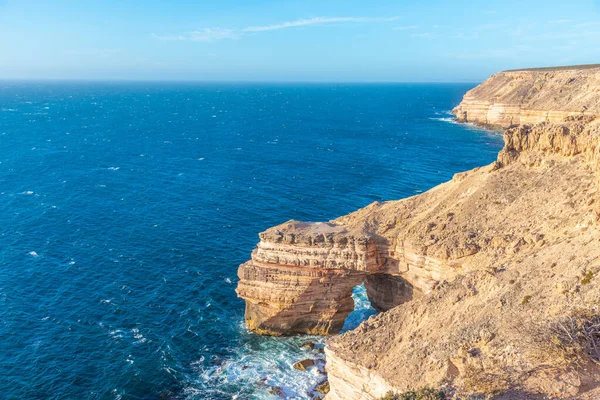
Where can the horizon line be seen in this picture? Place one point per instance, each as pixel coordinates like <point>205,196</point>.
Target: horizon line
<point>175,80</point>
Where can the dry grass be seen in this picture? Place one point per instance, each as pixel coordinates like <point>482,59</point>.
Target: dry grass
<point>572,339</point>
<point>580,333</point>
<point>477,381</point>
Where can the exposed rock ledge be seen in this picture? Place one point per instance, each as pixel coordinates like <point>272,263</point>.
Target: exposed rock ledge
<point>480,276</point>
<point>531,96</point>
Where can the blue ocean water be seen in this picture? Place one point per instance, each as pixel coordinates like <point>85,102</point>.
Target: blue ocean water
<point>127,207</point>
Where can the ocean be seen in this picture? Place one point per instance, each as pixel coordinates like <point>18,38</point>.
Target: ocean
<point>127,208</point>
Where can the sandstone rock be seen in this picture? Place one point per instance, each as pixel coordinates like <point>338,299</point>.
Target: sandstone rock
<point>323,388</point>
<point>387,291</point>
<point>277,391</point>
<point>304,364</point>
<point>533,95</point>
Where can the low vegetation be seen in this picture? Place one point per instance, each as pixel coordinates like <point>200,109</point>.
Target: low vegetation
<point>421,394</point>
<point>579,334</point>
<point>572,338</point>
<point>587,278</point>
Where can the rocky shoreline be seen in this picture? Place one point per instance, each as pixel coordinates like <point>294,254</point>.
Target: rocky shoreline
<point>486,284</point>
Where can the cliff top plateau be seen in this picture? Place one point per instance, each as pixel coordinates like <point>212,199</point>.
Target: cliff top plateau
<point>533,95</point>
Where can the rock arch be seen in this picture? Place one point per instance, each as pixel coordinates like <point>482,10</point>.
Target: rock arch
<point>301,275</point>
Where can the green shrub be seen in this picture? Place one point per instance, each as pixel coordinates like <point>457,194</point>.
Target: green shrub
<point>587,278</point>
<point>421,394</point>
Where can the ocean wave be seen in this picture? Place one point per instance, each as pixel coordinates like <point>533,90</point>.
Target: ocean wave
<point>468,125</point>
<point>263,366</point>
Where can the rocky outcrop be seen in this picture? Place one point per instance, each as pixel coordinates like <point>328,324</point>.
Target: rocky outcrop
<point>487,283</point>
<point>353,381</point>
<point>531,96</point>
<point>301,276</point>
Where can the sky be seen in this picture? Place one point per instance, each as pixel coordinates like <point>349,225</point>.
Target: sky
<point>278,40</point>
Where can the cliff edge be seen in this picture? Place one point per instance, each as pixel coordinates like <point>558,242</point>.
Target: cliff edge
<point>488,282</point>
<point>529,96</point>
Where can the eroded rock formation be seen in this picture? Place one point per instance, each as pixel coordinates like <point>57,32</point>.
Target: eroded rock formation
<point>301,276</point>
<point>479,276</point>
<point>531,96</point>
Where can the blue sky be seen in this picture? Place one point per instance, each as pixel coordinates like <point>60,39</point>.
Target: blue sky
<point>263,40</point>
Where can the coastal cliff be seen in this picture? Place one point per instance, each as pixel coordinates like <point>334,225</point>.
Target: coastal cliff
<point>531,96</point>
<point>488,283</point>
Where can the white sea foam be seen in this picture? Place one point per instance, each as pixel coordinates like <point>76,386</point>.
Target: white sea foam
<point>445,119</point>
<point>260,364</point>
<point>33,254</point>
<point>117,333</point>
<point>137,335</point>
<point>452,120</point>
<point>228,280</point>
<point>261,367</point>
<point>114,168</point>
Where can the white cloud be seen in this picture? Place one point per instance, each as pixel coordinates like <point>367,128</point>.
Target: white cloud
<point>424,35</point>
<point>314,21</point>
<point>464,36</point>
<point>201,35</point>
<point>405,28</point>
<point>214,34</point>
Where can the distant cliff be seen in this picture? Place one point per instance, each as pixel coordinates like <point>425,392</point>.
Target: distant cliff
<point>489,284</point>
<point>533,95</point>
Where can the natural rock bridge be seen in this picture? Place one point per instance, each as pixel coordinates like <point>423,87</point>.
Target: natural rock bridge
<point>301,276</point>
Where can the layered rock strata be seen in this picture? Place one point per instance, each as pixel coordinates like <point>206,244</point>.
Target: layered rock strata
<point>489,283</point>
<point>531,96</point>
<point>301,276</point>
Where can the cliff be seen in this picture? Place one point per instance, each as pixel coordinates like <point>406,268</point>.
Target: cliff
<point>531,96</point>
<point>489,282</point>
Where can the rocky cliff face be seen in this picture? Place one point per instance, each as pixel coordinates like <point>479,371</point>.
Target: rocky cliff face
<point>532,96</point>
<point>301,276</point>
<point>515,242</point>
<point>489,282</point>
